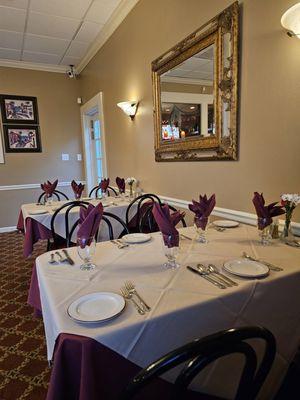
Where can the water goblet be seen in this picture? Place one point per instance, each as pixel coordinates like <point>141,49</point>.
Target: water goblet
<point>86,247</point>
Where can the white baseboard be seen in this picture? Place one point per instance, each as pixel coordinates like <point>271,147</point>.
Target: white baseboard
<point>6,229</point>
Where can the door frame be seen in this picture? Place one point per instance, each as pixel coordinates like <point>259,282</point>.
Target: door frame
<point>96,103</point>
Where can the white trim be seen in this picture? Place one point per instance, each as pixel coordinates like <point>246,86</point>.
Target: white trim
<point>33,186</point>
<point>8,229</point>
<point>117,17</point>
<point>35,66</point>
<point>94,103</point>
<point>240,216</point>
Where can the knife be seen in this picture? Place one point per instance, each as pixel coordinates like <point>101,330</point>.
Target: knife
<point>69,259</point>
<point>208,278</point>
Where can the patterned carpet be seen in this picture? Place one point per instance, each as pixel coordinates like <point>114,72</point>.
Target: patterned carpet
<point>24,371</point>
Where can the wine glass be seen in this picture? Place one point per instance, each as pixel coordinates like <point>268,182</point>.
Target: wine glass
<point>201,224</point>
<point>171,251</point>
<point>86,247</point>
<point>48,199</point>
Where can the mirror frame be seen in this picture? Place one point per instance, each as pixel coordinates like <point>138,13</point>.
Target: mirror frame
<point>218,147</point>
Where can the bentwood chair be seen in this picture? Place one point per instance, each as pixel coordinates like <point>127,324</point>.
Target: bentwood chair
<point>97,189</point>
<point>114,223</point>
<point>57,194</point>
<point>142,220</point>
<point>58,241</point>
<point>200,353</point>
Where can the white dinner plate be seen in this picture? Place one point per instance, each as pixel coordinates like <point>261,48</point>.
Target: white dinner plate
<point>226,223</point>
<point>246,268</point>
<point>136,238</point>
<point>37,212</point>
<point>96,307</point>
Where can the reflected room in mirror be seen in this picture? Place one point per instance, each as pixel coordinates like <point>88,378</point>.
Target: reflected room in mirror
<point>187,98</point>
<point>195,94</point>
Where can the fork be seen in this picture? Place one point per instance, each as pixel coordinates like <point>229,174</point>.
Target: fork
<point>132,290</point>
<point>120,245</point>
<point>124,292</point>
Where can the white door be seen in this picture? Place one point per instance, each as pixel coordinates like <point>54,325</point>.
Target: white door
<point>94,141</point>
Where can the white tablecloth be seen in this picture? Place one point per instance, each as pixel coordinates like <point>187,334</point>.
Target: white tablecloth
<point>116,206</point>
<point>184,306</point>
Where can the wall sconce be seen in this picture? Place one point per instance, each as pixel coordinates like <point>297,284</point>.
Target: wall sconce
<point>129,108</point>
<point>291,21</point>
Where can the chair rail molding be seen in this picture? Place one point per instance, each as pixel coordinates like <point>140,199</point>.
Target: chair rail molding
<point>240,216</point>
<point>33,185</point>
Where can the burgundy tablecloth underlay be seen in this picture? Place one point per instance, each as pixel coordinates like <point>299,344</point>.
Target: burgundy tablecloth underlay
<point>84,369</point>
<point>33,233</point>
<point>34,299</point>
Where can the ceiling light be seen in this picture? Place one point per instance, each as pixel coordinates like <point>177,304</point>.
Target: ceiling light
<point>291,21</point>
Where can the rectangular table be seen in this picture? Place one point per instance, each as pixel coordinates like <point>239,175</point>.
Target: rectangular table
<point>38,226</point>
<point>184,306</point>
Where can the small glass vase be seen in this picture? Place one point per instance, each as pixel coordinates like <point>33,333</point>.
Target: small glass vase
<point>201,225</point>
<point>287,235</point>
<point>171,251</point>
<point>131,195</point>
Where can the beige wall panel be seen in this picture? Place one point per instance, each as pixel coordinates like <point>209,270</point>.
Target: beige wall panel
<point>269,158</point>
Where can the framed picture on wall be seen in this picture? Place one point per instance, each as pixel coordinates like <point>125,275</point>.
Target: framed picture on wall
<point>22,139</point>
<point>19,109</point>
<point>1,149</point>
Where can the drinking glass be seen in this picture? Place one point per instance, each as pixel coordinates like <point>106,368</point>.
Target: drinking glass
<point>201,225</point>
<point>86,249</point>
<point>48,199</point>
<point>264,231</point>
<point>171,252</point>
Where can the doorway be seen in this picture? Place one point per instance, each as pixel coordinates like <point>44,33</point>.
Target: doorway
<point>94,141</point>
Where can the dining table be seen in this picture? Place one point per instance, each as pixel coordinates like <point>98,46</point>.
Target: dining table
<point>35,219</point>
<point>184,306</point>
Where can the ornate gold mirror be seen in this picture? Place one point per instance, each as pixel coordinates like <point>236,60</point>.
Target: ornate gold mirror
<point>195,87</point>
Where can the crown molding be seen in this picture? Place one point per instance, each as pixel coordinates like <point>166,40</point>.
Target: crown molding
<point>34,66</point>
<point>111,25</point>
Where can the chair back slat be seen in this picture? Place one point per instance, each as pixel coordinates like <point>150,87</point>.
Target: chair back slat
<point>202,352</point>
<point>57,194</point>
<point>97,189</point>
<point>107,217</point>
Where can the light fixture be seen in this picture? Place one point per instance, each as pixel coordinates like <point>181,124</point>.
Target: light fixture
<point>129,108</point>
<point>291,21</point>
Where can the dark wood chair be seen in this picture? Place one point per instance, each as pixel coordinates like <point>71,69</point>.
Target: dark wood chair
<point>200,353</point>
<point>97,189</point>
<point>142,220</point>
<point>57,194</point>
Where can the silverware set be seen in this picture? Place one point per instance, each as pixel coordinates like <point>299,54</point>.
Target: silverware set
<point>129,292</point>
<point>61,258</point>
<point>213,275</point>
<point>119,243</point>
<point>272,267</point>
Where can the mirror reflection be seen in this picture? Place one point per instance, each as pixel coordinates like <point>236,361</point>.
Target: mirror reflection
<point>187,98</point>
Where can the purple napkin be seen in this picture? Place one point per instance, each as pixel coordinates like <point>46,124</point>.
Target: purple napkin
<point>166,223</point>
<point>89,220</point>
<point>49,187</point>
<point>203,209</point>
<point>77,189</point>
<point>121,184</point>
<point>264,213</point>
<point>104,184</point>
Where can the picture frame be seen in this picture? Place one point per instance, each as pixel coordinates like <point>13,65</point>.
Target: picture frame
<point>22,138</point>
<point>19,109</point>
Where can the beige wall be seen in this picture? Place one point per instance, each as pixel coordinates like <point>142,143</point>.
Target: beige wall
<point>59,116</point>
<point>269,103</point>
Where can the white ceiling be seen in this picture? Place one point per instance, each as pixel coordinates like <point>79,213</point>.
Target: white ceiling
<point>198,67</point>
<point>58,32</point>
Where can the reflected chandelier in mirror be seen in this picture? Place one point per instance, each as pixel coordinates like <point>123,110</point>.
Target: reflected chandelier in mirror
<point>195,87</point>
